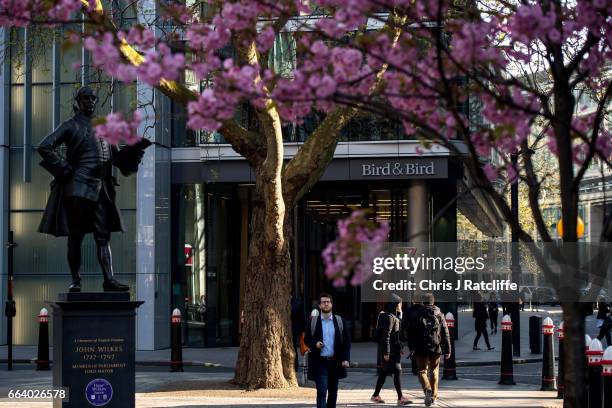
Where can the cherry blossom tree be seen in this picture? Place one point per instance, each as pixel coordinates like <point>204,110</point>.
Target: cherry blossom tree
<point>474,76</point>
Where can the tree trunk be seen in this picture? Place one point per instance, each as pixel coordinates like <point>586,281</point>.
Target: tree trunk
<point>574,358</point>
<point>266,355</point>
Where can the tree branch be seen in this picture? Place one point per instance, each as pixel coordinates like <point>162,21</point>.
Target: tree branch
<point>311,159</point>
<point>594,135</point>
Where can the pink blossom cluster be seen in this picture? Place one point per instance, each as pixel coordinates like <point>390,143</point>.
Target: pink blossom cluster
<point>530,22</point>
<point>116,128</point>
<point>63,9</point>
<point>583,125</point>
<point>15,13</point>
<point>471,43</point>
<point>158,62</point>
<point>350,256</point>
<point>220,102</point>
<point>20,13</point>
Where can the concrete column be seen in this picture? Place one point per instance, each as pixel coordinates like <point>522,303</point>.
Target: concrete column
<point>418,214</point>
<point>153,215</point>
<point>5,108</point>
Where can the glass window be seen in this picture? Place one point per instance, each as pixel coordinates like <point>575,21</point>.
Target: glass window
<point>182,136</point>
<point>16,118</point>
<point>42,56</point>
<point>70,54</point>
<point>42,114</point>
<point>283,55</point>
<point>28,196</point>
<point>17,56</point>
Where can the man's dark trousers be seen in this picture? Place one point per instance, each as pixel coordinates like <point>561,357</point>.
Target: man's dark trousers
<point>327,384</point>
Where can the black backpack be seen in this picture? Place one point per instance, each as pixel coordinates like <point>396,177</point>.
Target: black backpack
<point>429,329</point>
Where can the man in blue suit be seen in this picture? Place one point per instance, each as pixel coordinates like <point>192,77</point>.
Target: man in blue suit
<point>330,344</point>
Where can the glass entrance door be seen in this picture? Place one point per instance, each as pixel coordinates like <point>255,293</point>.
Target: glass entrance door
<point>321,209</point>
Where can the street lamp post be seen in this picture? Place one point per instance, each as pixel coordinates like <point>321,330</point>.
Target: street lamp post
<point>9,309</point>
<point>515,266</point>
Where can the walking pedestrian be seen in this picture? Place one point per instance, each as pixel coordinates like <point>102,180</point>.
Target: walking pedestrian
<point>330,346</point>
<point>430,339</point>
<point>602,311</point>
<point>493,312</point>
<point>480,323</point>
<point>605,329</point>
<point>387,333</point>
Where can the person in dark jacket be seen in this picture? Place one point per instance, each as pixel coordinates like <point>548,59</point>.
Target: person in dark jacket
<point>605,329</point>
<point>602,311</point>
<point>330,352</point>
<point>429,339</point>
<point>480,323</point>
<point>390,351</point>
<point>493,307</point>
<point>82,198</point>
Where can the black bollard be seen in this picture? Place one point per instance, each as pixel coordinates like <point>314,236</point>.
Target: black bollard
<point>535,336</point>
<point>507,373</point>
<point>176,356</point>
<point>450,368</point>
<point>42,361</point>
<point>561,369</point>
<point>606,364</point>
<point>594,356</point>
<point>548,358</point>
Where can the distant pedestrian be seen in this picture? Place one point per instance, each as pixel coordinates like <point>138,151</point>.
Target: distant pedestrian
<point>330,344</point>
<point>298,322</point>
<point>480,323</point>
<point>429,338</point>
<point>602,311</point>
<point>493,312</point>
<point>605,329</point>
<point>387,334</point>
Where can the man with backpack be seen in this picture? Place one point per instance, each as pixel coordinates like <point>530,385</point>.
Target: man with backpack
<point>330,349</point>
<point>428,340</point>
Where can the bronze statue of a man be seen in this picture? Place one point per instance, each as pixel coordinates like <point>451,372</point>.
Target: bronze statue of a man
<point>82,198</point>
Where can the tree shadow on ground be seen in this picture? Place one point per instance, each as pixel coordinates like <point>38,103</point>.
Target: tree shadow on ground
<point>224,388</point>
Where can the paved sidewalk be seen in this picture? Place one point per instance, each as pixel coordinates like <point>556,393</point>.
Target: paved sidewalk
<point>187,390</point>
<point>362,354</point>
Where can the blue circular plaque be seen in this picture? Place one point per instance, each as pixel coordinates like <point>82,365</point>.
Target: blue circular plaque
<point>99,392</point>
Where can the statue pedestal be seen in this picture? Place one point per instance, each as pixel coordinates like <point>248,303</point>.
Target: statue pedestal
<point>94,347</point>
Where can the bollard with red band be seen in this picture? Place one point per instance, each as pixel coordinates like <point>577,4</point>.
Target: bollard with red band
<point>450,368</point>
<point>176,356</point>
<point>548,356</point>
<point>594,357</point>
<point>606,372</point>
<point>561,369</point>
<point>587,343</point>
<point>507,372</point>
<point>42,360</point>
